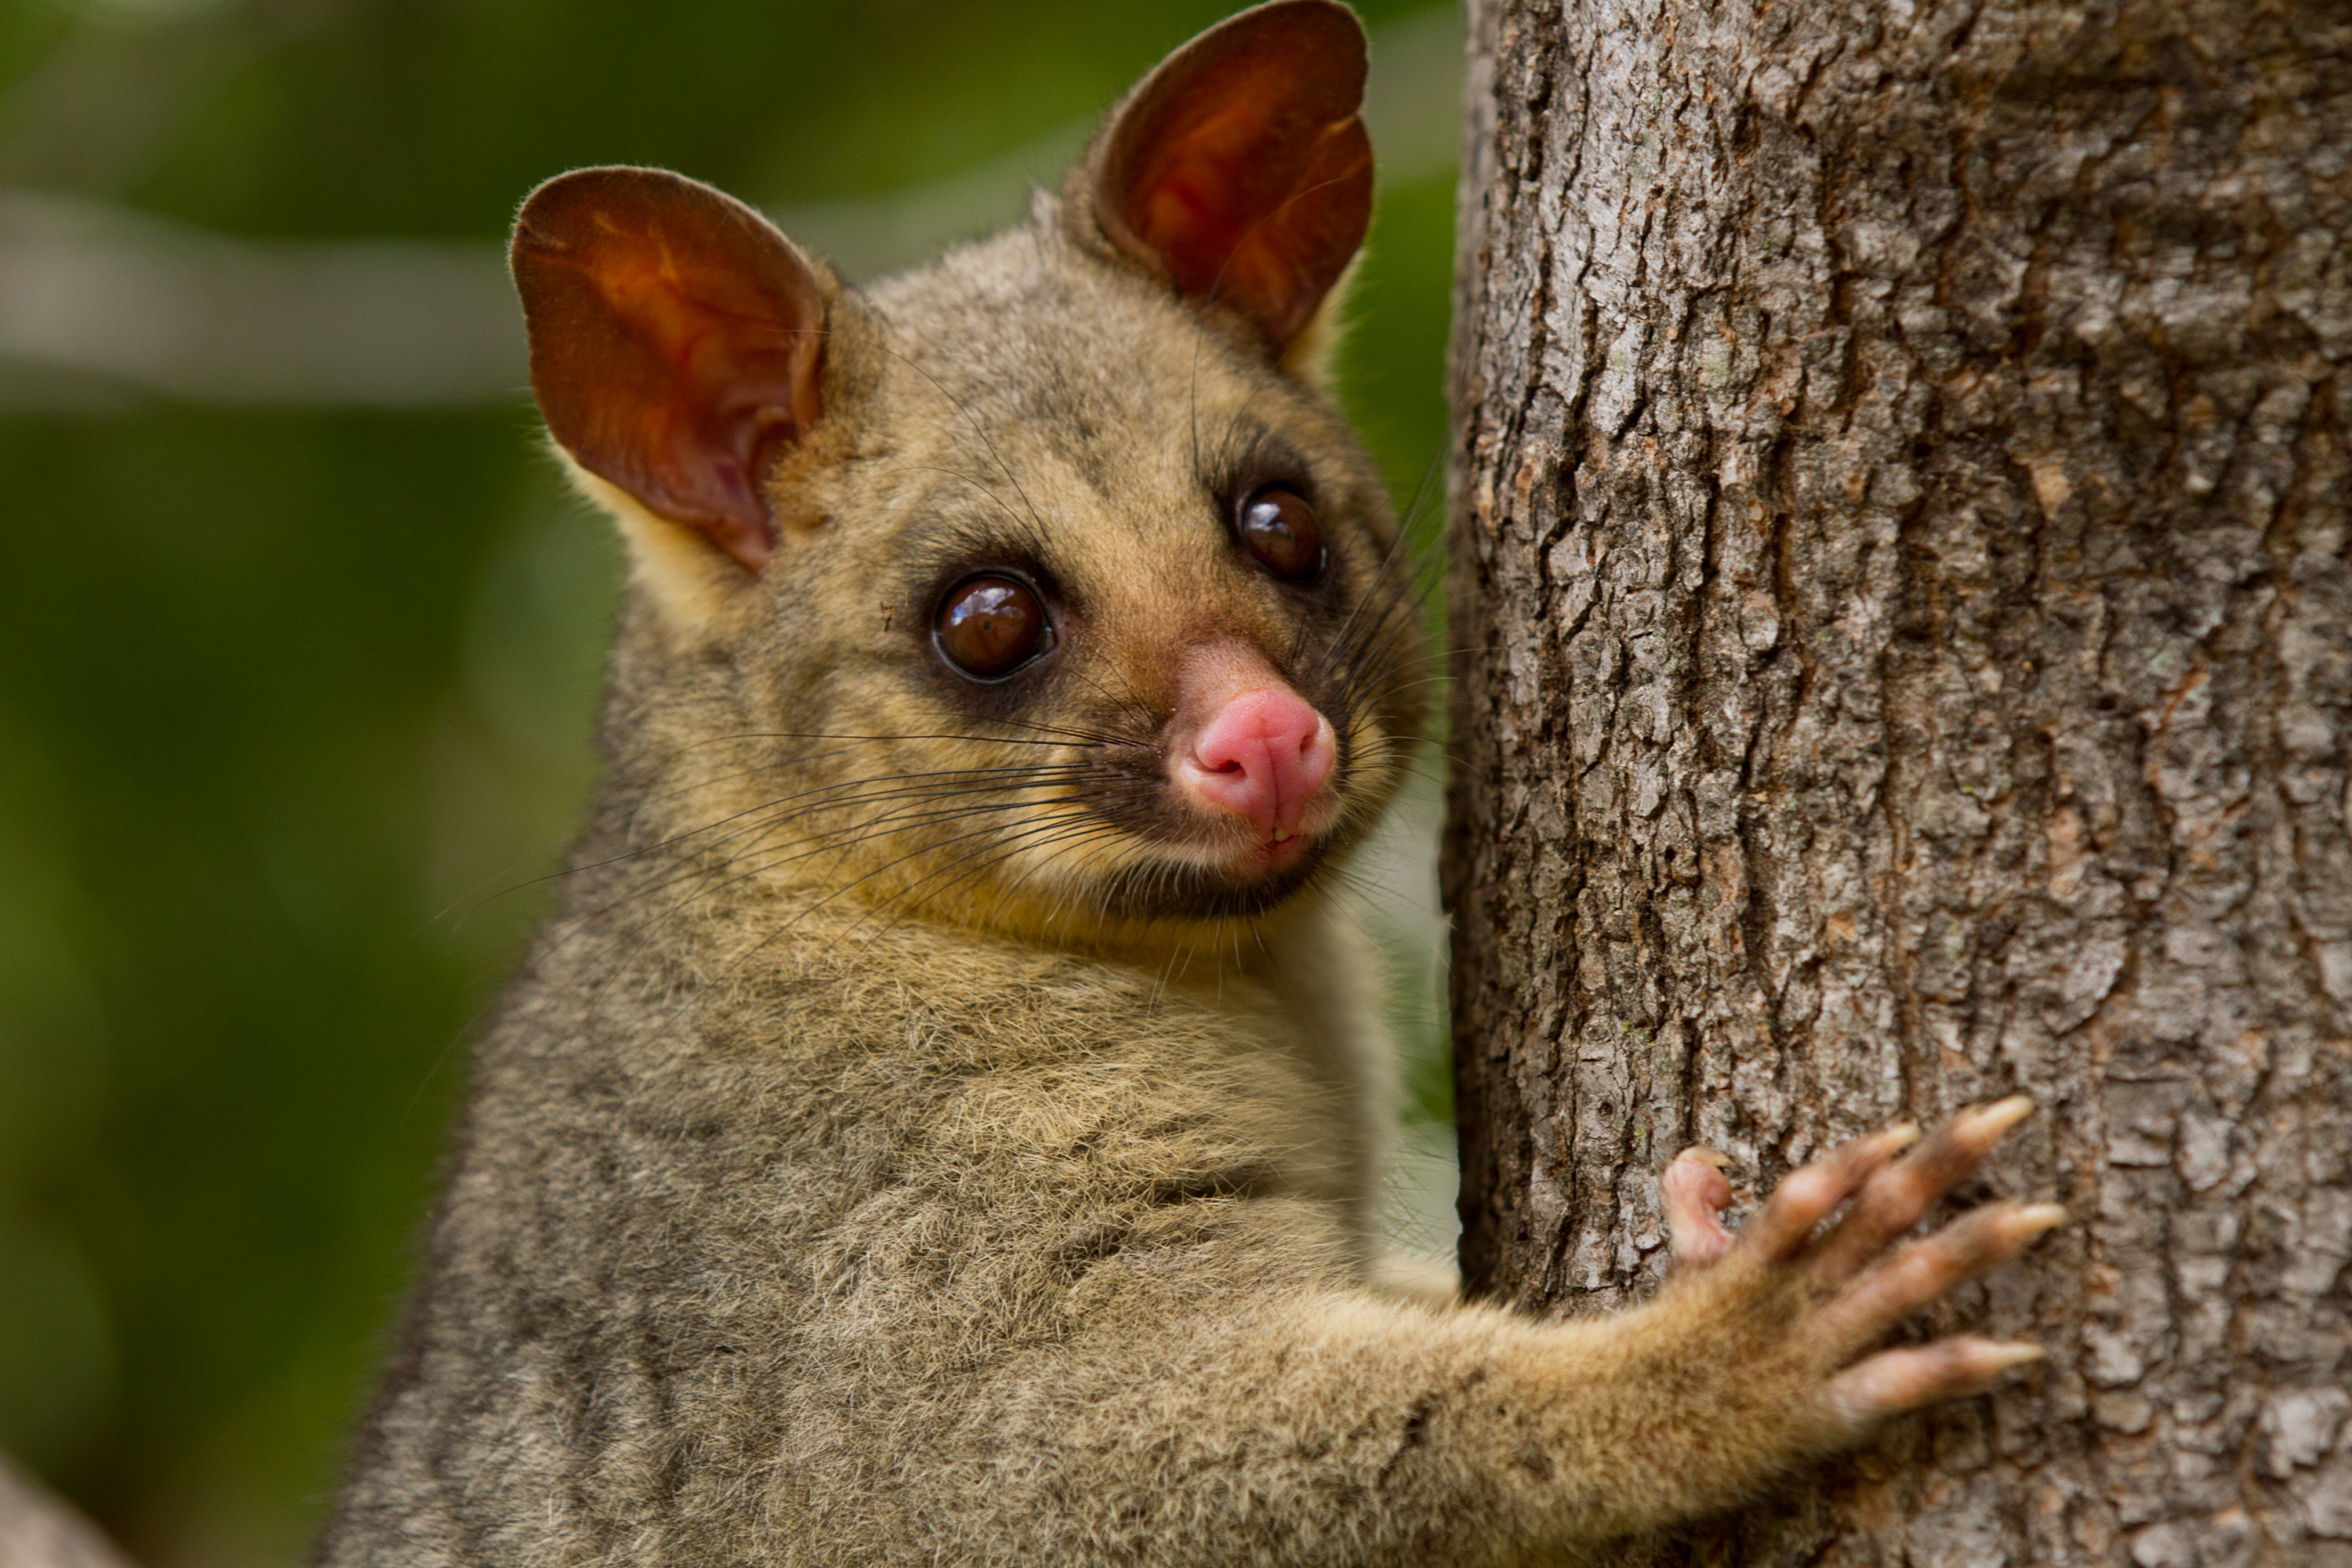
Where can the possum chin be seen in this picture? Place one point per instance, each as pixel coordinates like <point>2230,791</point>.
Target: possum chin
<point>1179,891</point>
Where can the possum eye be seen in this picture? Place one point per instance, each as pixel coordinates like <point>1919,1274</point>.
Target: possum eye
<point>1281,531</point>
<point>989,626</point>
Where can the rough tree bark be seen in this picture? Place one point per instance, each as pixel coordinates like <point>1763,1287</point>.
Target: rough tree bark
<point>1901,548</point>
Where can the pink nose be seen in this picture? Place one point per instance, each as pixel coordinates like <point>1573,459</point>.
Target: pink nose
<point>1261,756</point>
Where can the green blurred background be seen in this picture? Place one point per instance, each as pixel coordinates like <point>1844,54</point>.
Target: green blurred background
<point>300,634</point>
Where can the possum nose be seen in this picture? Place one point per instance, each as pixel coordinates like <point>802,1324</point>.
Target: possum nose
<point>1261,756</point>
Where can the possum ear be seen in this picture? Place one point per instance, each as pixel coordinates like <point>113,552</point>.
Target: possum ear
<point>676,344</point>
<point>1239,171</point>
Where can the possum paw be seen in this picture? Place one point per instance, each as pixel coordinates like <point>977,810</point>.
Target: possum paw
<point>1804,1299</point>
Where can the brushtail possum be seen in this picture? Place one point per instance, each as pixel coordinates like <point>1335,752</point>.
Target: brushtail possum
<point>939,1125</point>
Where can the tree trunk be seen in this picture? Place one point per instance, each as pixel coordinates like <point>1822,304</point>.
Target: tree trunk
<point>1901,550</point>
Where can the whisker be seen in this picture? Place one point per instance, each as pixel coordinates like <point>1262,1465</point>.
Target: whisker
<point>964,410</point>
<point>1064,829</point>
<point>973,481</point>
<point>713,879</point>
<point>920,735</point>
<point>803,914</point>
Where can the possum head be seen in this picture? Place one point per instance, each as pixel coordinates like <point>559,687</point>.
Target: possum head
<point>1042,588</point>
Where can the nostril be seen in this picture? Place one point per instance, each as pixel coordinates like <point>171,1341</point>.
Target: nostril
<point>1261,756</point>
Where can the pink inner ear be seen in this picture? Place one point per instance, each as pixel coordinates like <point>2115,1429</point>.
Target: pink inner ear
<point>676,340</point>
<point>1241,168</point>
<point>1275,258</point>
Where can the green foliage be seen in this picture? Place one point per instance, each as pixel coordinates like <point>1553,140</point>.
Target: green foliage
<point>296,705</point>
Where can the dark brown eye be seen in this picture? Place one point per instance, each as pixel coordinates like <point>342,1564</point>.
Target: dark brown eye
<point>991,627</point>
<point>1280,529</point>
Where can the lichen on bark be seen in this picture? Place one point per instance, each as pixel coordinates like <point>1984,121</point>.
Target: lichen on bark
<point>1903,545</point>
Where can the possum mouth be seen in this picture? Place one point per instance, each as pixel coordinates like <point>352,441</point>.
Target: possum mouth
<point>1176,890</point>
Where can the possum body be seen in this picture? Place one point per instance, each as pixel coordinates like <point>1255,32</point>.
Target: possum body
<point>939,1125</point>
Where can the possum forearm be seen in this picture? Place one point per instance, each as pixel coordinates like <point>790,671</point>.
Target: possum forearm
<point>1342,1428</point>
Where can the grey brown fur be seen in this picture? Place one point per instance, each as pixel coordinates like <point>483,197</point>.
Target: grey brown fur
<point>848,1183</point>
